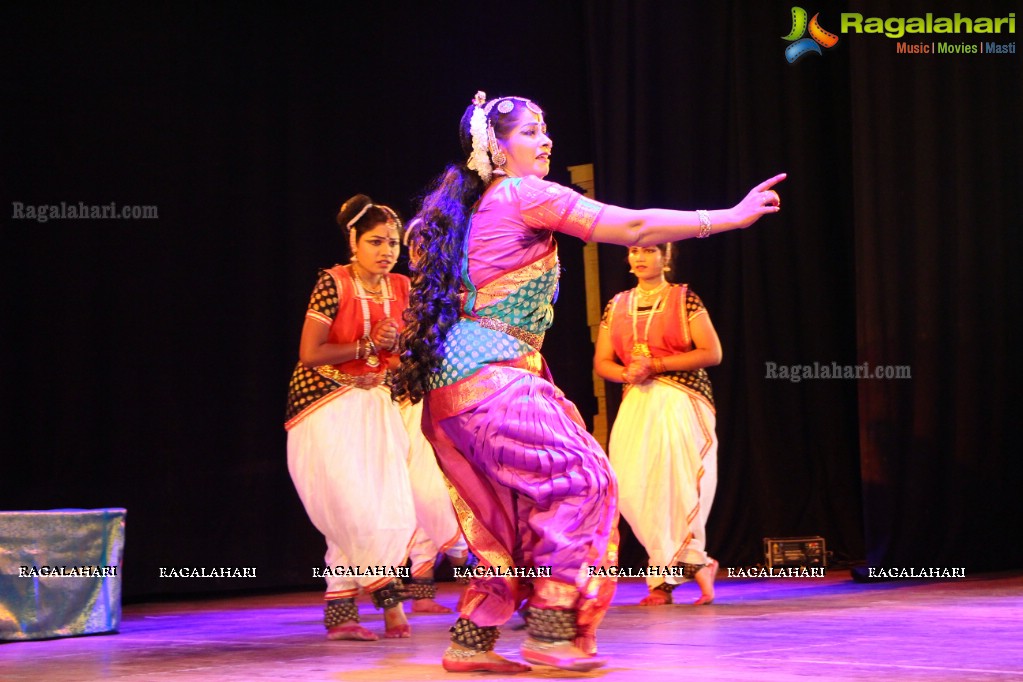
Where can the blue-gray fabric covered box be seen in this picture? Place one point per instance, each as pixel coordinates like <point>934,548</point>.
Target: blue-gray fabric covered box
<point>60,572</point>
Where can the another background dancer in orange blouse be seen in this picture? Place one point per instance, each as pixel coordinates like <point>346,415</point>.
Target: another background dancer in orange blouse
<point>657,338</point>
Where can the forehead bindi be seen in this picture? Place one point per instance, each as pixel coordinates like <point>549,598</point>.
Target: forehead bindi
<point>382,231</point>
<point>530,118</point>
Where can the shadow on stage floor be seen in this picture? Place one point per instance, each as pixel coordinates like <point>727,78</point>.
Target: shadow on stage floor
<point>767,630</point>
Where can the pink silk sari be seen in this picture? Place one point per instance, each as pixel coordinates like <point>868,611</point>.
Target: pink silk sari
<point>531,487</point>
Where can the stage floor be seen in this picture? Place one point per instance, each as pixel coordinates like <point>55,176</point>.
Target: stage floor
<point>765,630</point>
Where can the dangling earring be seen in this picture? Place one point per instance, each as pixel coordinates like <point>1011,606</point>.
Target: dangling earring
<point>496,153</point>
<point>351,243</point>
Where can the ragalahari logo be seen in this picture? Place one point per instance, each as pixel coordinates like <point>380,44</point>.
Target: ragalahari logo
<point>801,46</point>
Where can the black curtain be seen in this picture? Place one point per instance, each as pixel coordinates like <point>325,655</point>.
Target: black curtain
<point>146,362</point>
<point>936,149</point>
<point>896,246</point>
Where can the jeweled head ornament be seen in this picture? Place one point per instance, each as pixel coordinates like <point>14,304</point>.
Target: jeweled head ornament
<point>483,138</point>
<point>355,219</point>
<point>351,227</point>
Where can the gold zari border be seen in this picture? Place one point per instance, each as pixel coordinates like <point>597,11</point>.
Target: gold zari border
<point>365,381</point>
<point>534,340</point>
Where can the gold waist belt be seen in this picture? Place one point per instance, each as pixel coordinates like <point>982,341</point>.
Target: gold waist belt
<point>366,381</point>
<point>534,340</point>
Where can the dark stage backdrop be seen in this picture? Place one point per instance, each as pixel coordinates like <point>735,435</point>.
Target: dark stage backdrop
<point>898,245</point>
<point>145,362</point>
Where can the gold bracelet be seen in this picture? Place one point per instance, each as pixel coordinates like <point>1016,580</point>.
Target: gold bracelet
<point>624,372</point>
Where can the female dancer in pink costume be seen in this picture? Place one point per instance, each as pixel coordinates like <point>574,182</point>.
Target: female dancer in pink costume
<point>533,489</point>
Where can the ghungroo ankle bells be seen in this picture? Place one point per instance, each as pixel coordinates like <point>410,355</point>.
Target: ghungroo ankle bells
<point>551,625</point>
<point>421,588</point>
<point>390,596</point>
<point>471,636</point>
<point>689,570</point>
<point>338,611</point>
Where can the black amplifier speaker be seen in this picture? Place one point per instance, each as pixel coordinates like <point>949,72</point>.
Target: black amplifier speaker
<point>806,552</point>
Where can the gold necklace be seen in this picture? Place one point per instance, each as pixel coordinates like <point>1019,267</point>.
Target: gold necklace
<point>642,348</point>
<point>365,287</point>
<point>649,293</point>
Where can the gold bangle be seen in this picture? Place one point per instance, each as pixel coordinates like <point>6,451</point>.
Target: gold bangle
<point>624,372</point>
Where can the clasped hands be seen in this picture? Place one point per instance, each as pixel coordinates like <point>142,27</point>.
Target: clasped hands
<point>385,334</point>
<point>639,370</point>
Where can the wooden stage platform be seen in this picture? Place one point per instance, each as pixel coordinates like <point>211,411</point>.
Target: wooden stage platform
<point>767,630</point>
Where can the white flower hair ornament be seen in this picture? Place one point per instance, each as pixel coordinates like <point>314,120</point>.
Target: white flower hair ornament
<point>479,160</point>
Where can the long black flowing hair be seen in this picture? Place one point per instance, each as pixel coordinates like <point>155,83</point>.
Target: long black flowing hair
<point>437,243</point>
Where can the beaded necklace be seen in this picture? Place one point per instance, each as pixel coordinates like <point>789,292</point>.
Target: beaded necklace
<point>372,359</point>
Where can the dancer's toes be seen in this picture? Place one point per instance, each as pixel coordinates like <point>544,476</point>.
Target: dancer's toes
<point>705,579</point>
<point>350,630</point>
<point>428,606</point>
<point>561,654</point>
<point>656,598</point>
<point>587,643</point>
<point>458,659</point>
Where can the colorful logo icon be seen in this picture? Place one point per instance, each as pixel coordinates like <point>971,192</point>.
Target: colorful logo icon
<point>801,46</point>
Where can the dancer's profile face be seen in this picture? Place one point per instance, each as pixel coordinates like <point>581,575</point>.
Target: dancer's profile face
<point>528,146</point>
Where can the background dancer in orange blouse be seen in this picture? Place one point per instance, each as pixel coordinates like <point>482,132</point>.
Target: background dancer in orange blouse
<point>657,338</point>
<point>347,443</point>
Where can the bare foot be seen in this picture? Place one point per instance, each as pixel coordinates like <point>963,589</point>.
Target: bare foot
<point>351,629</point>
<point>458,659</point>
<point>656,598</point>
<point>587,642</point>
<point>564,655</point>
<point>705,579</point>
<point>395,624</point>
<point>428,606</point>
